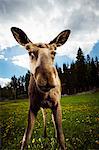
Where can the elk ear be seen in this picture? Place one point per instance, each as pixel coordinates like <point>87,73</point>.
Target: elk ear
<point>20,36</point>
<point>61,38</point>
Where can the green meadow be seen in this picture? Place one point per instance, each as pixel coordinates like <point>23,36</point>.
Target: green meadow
<point>80,124</point>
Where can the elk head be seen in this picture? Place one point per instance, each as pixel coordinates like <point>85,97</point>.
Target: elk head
<point>42,57</point>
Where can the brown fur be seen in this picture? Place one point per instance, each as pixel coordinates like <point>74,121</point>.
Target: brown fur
<point>44,87</point>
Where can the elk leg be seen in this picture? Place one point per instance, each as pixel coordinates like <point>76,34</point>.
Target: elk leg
<point>54,125</point>
<point>27,135</point>
<point>44,120</point>
<point>58,123</point>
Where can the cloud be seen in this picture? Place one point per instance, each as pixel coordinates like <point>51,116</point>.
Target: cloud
<point>2,57</point>
<point>4,81</point>
<point>42,20</point>
<point>21,60</point>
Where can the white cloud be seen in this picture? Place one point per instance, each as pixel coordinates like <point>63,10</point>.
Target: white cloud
<point>42,20</point>
<point>4,81</point>
<point>2,57</point>
<point>21,60</point>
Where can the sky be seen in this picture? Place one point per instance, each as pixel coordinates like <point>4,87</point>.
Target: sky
<point>42,21</point>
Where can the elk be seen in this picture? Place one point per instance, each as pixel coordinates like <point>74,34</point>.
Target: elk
<point>44,86</point>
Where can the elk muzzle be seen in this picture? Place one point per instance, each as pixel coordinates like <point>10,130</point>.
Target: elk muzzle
<point>46,79</point>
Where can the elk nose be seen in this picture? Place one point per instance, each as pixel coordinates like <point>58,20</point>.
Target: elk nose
<point>47,87</point>
<point>50,86</point>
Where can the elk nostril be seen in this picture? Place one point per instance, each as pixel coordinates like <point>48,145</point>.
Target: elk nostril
<point>41,87</point>
<point>46,88</point>
<point>50,86</point>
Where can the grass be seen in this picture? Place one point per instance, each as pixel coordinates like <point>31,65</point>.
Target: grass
<point>80,124</point>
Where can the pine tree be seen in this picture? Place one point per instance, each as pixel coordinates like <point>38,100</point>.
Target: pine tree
<point>88,75</point>
<point>94,74</point>
<point>73,79</point>
<point>80,70</point>
<point>66,80</point>
<point>27,78</point>
<point>14,85</point>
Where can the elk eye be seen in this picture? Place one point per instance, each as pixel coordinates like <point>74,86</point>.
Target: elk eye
<point>53,53</point>
<point>31,54</point>
<point>40,46</point>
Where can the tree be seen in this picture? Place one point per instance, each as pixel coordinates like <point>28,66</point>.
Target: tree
<point>80,70</point>
<point>94,74</point>
<point>0,92</point>
<point>97,68</point>
<point>88,59</point>
<point>27,78</point>
<point>73,78</point>
<point>66,79</point>
<point>88,75</point>
<point>14,84</point>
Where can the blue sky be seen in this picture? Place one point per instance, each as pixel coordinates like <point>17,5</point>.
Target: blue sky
<point>42,20</point>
